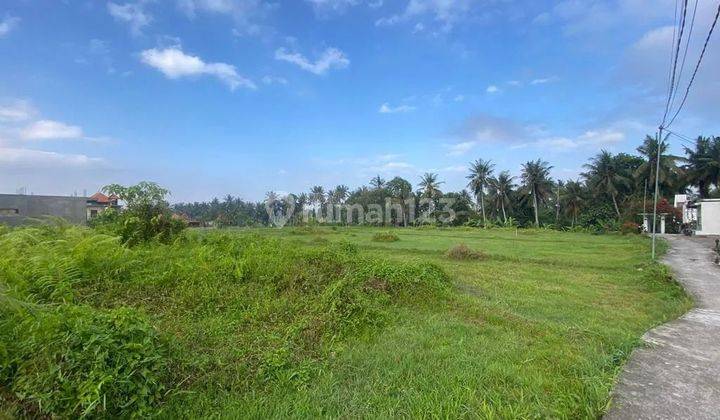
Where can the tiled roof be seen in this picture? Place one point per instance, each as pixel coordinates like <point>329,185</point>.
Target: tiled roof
<point>101,198</point>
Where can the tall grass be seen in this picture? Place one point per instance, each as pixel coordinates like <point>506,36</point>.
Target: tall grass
<point>105,330</point>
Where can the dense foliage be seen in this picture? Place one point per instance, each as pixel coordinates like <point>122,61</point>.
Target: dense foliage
<point>95,328</point>
<point>147,215</point>
<point>614,189</point>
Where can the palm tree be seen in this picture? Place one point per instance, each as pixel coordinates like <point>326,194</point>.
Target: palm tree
<point>703,164</point>
<point>340,193</point>
<point>429,185</point>
<point>377,182</point>
<point>317,198</point>
<point>317,195</point>
<point>604,177</point>
<point>669,172</point>
<point>480,173</point>
<point>573,200</point>
<point>500,189</point>
<point>536,179</point>
<point>401,190</point>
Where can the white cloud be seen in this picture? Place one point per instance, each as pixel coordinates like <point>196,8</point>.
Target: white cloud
<point>132,14</point>
<point>175,64</point>
<point>244,12</point>
<point>592,139</point>
<point>492,89</point>
<point>387,109</point>
<point>542,81</point>
<point>329,59</point>
<point>51,130</point>
<point>7,24</point>
<point>40,158</point>
<point>16,111</point>
<point>461,148</point>
<point>445,12</point>
<point>270,80</point>
<point>459,98</point>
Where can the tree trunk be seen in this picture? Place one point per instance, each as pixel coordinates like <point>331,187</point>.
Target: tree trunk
<point>482,206</point>
<point>704,190</point>
<point>535,207</point>
<point>502,204</point>
<point>617,210</point>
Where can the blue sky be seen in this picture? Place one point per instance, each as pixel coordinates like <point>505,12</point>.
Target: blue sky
<point>215,97</point>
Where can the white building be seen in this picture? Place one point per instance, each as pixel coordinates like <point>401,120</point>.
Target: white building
<point>705,213</point>
<point>708,216</point>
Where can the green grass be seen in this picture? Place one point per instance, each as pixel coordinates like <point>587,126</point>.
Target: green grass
<point>320,322</point>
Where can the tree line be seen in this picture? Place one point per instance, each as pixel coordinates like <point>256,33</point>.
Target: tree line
<point>612,190</point>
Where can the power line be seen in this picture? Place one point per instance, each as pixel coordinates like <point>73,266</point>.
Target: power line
<point>684,139</point>
<point>675,56</point>
<point>697,67</point>
<point>687,45</point>
<point>672,51</point>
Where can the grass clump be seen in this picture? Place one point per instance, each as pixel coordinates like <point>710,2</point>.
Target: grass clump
<point>385,237</point>
<point>463,252</point>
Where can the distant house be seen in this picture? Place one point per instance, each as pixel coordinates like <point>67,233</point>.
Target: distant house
<point>99,202</point>
<point>17,209</point>
<point>187,219</point>
<point>705,213</point>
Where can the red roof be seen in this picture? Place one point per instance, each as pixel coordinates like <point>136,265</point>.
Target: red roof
<point>102,198</point>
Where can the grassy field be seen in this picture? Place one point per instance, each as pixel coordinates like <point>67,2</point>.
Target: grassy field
<point>321,322</point>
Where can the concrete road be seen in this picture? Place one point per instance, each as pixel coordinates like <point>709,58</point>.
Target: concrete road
<point>677,374</point>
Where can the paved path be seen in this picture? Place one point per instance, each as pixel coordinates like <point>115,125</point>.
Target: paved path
<point>677,375</point>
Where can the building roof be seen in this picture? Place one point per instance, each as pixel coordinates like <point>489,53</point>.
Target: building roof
<point>103,199</point>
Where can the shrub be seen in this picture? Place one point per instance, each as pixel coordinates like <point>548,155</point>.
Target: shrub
<point>147,217</point>
<point>74,361</point>
<point>385,237</point>
<point>463,252</point>
<point>629,228</point>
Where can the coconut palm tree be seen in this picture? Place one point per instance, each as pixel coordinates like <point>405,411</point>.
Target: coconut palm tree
<point>480,173</point>
<point>573,198</point>
<point>341,193</point>
<point>429,185</point>
<point>703,164</point>
<point>401,190</point>
<point>603,177</point>
<point>377,182</point>
<point>669,172</point>
<point>536,180</point>
<point>500,189</point>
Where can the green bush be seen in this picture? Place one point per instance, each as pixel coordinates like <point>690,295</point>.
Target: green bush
<point>385,237</point>
<point>147,216</point>
<point>75,361</point>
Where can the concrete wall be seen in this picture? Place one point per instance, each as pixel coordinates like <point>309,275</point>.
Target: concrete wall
<point>72,209</point>
<point>709,217</point>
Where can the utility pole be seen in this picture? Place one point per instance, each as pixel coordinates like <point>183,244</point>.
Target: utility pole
<point>657,188</point>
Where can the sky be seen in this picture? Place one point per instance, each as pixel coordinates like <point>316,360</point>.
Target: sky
<point>217,97</point>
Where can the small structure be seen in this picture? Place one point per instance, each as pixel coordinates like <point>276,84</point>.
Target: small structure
<point>689,213</point>
<point>16,209</point>
<point>99,202</point>
<point>648,225</point>
<point>187,219</point>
